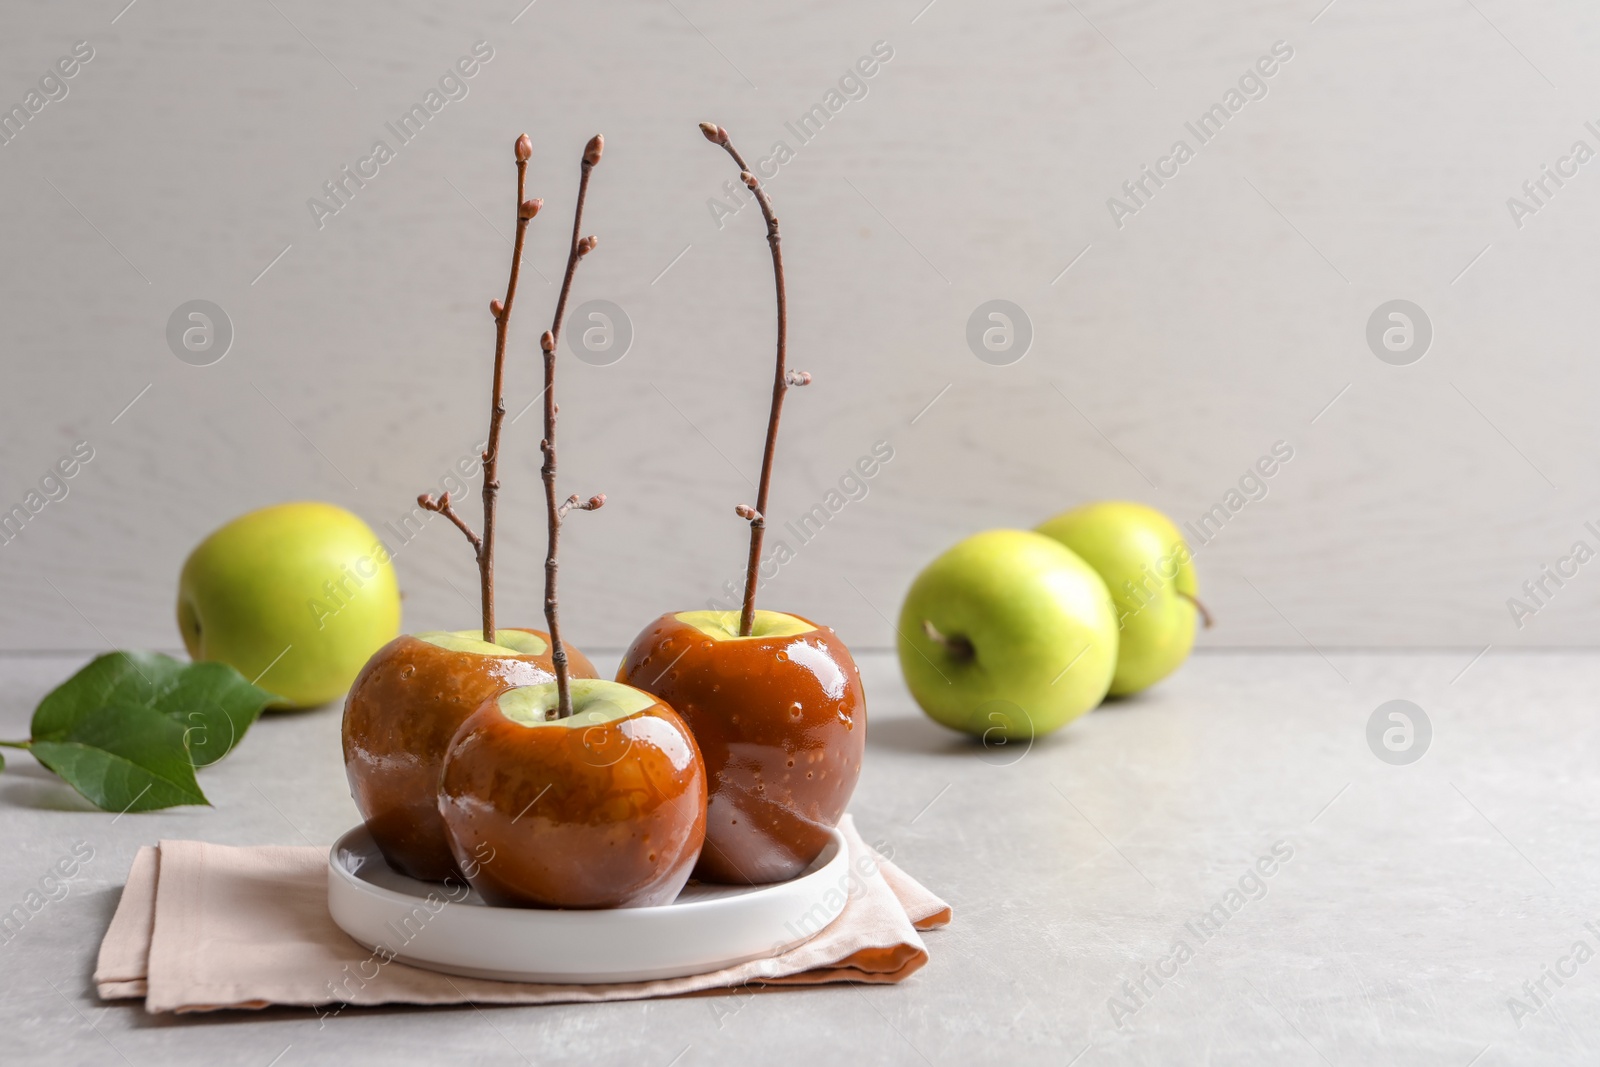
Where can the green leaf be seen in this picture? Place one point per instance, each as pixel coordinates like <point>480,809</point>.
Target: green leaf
<point>216,706</point>
<point>211,702</point>
<point>124,757</point>
<point>126,677</point>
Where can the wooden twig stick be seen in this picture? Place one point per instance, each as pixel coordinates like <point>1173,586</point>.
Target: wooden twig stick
<point>580,247</point>
<point>501,310</point>
<point>483,547</point>
<point>782,378</point>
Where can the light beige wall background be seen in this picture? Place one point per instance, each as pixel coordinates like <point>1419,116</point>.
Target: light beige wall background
<point>1223,317</point>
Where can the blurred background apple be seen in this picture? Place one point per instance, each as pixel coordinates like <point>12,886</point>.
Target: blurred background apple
<point>296,597</point>
<point>1150,573</point>
<point>1008,635</point>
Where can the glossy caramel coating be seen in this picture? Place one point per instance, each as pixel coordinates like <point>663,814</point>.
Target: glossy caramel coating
<point>782,724</point>
<point>405,705</point>
<point>603,816</point>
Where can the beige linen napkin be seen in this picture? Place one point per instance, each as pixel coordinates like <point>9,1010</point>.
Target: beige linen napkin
<point>202,927</point>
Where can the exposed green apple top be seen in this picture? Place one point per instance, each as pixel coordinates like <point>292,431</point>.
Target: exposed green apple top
<point>724,625</point>
<point>514,642</point>
<point>595,702</point>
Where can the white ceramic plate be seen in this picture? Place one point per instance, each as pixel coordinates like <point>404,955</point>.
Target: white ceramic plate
<point>707,928</point>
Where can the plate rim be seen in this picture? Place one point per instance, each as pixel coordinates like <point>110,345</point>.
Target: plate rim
<point>836,838</point>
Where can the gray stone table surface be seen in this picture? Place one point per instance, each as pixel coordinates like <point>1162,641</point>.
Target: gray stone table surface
<point>1410,909</point>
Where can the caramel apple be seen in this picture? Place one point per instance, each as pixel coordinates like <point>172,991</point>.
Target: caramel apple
<point>405,705</point>
<point>775,700</point>
<point>781,721</point>
<point>602,808</point>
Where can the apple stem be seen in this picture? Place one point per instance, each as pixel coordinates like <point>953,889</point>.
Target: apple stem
<point>957,647</point>
<point>556,511</point>
<point>782,379</point>
<point>1205,616</point>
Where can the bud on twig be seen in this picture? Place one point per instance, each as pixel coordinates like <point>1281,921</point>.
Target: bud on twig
<point>529,208</point>
<point>572,503</point>
<point>591,154</point>
<point>442,507</point>
<point>524,148</point>
<point>548,341</point>
<point>748,178</point>
<point>496,308</point>
<point>426,501</point>
<point>797,377</point>
<point>714,133</point>
<point>586,245</point>
<point>745,511</point>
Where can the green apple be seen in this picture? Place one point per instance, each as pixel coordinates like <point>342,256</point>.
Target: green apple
<point>296,597</point>
<point>1008,635</point>
<point>1150,572</point>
